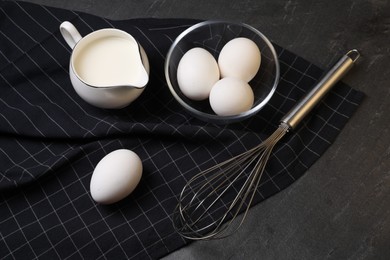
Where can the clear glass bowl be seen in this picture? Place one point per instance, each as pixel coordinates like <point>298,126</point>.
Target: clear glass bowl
<point>212,36</point>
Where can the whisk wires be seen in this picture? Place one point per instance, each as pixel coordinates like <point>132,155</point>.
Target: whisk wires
<point>211,201</point>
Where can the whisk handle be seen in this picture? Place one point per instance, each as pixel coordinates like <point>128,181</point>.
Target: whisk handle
<point>306,104</point>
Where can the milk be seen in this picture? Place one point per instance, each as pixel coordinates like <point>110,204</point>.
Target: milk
<point>109,61</point>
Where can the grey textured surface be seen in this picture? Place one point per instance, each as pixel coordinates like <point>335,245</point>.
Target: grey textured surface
<point>340,209</point>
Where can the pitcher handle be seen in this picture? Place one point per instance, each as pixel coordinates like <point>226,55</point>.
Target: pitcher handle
<point>70,33</point>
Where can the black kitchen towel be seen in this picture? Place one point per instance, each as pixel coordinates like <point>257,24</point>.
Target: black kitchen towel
<point>51,140</point>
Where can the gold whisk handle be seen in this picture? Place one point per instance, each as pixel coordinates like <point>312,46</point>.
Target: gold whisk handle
<point>306,104</point>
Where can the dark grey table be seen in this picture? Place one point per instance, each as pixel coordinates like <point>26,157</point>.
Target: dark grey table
<point>340,209</point>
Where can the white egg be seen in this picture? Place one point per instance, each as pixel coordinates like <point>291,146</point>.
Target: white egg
<point>115,176</point>
<point>196,73</point>
<point>239,58</point>
<point>231,96</point>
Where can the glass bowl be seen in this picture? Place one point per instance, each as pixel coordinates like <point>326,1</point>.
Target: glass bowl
<point>212,36</point>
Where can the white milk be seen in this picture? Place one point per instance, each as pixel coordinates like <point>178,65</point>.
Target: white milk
<point>109,61</point>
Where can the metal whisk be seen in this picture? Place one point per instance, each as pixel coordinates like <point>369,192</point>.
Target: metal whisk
<point>207,209</point>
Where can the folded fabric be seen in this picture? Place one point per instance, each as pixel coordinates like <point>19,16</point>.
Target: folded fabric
<point>51,140</point>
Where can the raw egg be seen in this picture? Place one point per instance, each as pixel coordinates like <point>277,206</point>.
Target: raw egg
<point>115,176</point>
<point>239,58</point>
<point>196,73</point>
<point>231,96</point>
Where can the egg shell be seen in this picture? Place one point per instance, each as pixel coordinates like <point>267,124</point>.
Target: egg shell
<point>115,176</point>
<point>239,58</point>
<point>196,73</point>
<point>231,96</point>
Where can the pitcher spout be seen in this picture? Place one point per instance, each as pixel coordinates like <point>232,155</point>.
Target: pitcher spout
<point>142,80</point>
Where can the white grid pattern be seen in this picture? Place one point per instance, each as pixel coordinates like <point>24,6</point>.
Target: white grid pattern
<point>51,140</point>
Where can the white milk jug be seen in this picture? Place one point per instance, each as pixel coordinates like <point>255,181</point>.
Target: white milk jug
<point>108,68</point>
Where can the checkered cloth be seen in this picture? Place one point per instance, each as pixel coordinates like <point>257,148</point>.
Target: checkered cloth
<point>51,140</point>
